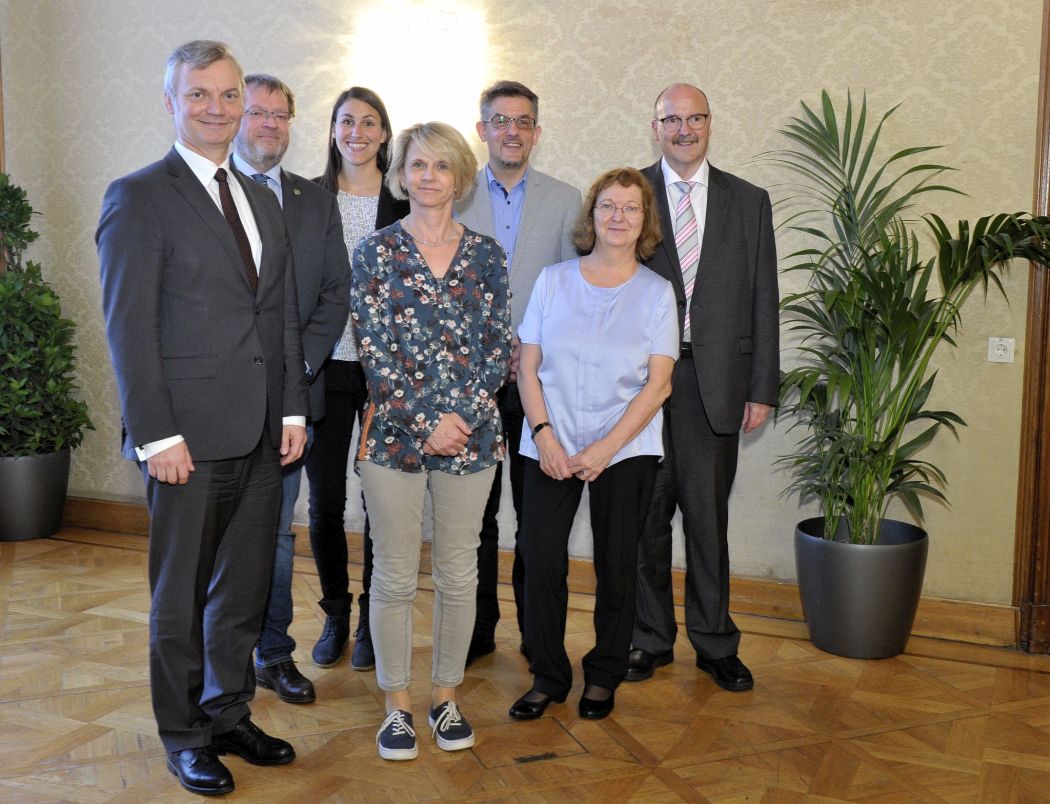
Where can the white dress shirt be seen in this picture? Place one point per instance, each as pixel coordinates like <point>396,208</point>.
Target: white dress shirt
<point>697,196</point>
<point>204,169</point>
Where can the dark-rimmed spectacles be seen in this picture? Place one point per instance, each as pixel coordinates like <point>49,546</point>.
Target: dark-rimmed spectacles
<point>260,115</point>
<point>501,121</point>
<point>673,122</point>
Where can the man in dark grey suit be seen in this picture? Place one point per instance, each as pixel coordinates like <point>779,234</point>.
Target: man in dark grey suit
<point>322,270</point>
<point>718,252</point>
<point>199,300</point>
<point>532,215</point>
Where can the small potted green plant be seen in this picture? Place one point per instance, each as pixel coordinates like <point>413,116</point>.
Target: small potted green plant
<point>872,313</point>
<point>41,418</point>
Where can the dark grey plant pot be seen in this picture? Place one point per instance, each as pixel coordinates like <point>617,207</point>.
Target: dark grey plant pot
<point>859,600</point>
<point>32,495</point>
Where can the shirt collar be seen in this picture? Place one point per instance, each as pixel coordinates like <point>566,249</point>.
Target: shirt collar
<point>492,180</point>
<point>702,175</point>
<point>202,167</point>
<point>274,173</point>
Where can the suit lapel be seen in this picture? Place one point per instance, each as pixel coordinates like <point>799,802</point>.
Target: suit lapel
<point>483,204</point>
<point>529,212</point>
<point>291,202</point>
<point>673,268</point>
<point>717,205</point>
<point>186,184</point>
<point>269,269</point>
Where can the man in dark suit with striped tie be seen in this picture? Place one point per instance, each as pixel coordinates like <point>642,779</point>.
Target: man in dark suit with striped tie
<point>719,254</point>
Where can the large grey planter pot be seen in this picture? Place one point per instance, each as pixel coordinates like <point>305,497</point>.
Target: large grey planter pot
<point>32,495</point>
<point>859,600</point>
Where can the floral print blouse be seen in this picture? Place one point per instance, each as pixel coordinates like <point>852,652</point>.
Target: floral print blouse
<point>430,346</point>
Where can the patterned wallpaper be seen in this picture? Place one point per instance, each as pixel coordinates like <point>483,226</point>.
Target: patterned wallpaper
<point>83,105</point>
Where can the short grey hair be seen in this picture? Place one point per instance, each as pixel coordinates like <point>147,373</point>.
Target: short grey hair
<point>507,89</point>
<point>273,84</point>
<point>199,53</point>
<point>440,140</point>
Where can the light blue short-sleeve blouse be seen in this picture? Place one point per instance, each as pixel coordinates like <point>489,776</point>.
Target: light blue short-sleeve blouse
<point>596,345</point>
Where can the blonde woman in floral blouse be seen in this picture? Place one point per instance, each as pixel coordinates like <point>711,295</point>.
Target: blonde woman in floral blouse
<point>430,305</point>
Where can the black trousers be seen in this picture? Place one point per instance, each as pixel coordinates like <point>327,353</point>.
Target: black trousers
<point>697,476</point>
<point>326,470</point>
<point>619,499</point>
<point>211,549</point>
<point>513,417</point>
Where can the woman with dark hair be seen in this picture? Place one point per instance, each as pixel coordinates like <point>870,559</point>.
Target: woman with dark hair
<point>598,345</point>
<point>358,156</point>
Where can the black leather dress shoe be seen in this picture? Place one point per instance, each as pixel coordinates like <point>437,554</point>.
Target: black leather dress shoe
<point>252,744</point>
<point>478,650</point>
<point>728,672</point>
<point>285,679</point>
<point>596,710</point>
<point>522,709</point>
<point>200,771</point>
<point>641,664</point>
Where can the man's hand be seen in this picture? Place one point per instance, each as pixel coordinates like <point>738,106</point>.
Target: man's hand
<point>755,415</point>
<point>449,437</point>
<point>172,465</point>
<point>293,442</point>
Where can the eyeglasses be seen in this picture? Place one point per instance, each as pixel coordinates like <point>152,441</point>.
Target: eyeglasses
<point>501,121</point>
<point>673,122</point>
<point>260,115</point>
<point>610,209</point>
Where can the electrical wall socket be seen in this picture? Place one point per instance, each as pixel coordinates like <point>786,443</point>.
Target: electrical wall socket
<point>1000,350</point>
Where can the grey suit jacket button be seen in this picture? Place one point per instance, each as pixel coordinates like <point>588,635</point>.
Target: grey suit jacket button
<point>258,360</point>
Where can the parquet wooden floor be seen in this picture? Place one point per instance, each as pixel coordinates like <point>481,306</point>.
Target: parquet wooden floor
<point>944,722</point>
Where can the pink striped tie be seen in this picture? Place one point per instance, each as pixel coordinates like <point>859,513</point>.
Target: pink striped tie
<point>687,242</point>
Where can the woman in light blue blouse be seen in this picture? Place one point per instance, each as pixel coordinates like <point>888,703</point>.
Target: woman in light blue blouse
<point>598,345</point>
<point>431,309</point>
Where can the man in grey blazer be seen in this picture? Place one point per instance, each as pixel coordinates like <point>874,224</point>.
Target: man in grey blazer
<point>199,301</point>
<point>718,252</point>
<point>532,215</point>
<point>322,270</point>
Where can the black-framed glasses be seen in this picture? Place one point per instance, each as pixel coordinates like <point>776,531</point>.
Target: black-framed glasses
<point>260,115</point>
<point>501,121</point>
<point>673,122</point>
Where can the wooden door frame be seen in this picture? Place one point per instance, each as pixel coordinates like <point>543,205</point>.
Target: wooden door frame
<point>1032,545</point>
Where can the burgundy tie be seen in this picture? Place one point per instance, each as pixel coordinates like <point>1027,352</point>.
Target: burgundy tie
<point>229,209</point>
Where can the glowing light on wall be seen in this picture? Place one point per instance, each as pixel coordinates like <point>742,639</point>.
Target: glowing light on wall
<point>427,61</point>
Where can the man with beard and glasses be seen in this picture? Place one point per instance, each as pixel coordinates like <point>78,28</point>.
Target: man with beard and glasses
<point>532,215</point>
<point>718,252</point>
<point>322,270</point>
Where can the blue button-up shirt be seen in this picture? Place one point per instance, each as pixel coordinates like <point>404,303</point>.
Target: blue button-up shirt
<point>596,344</point>
<point>273,176</point>
<point>506,211</point>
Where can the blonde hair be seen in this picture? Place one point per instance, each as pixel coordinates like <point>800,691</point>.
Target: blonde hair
<point>440,140</point>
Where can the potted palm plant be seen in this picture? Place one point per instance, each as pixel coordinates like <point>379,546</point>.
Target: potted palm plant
<point>41,419</point>
<point>872,313</point>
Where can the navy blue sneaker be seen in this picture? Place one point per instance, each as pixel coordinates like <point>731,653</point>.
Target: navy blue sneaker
<point>396,738</point>
<point>451,730</point>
